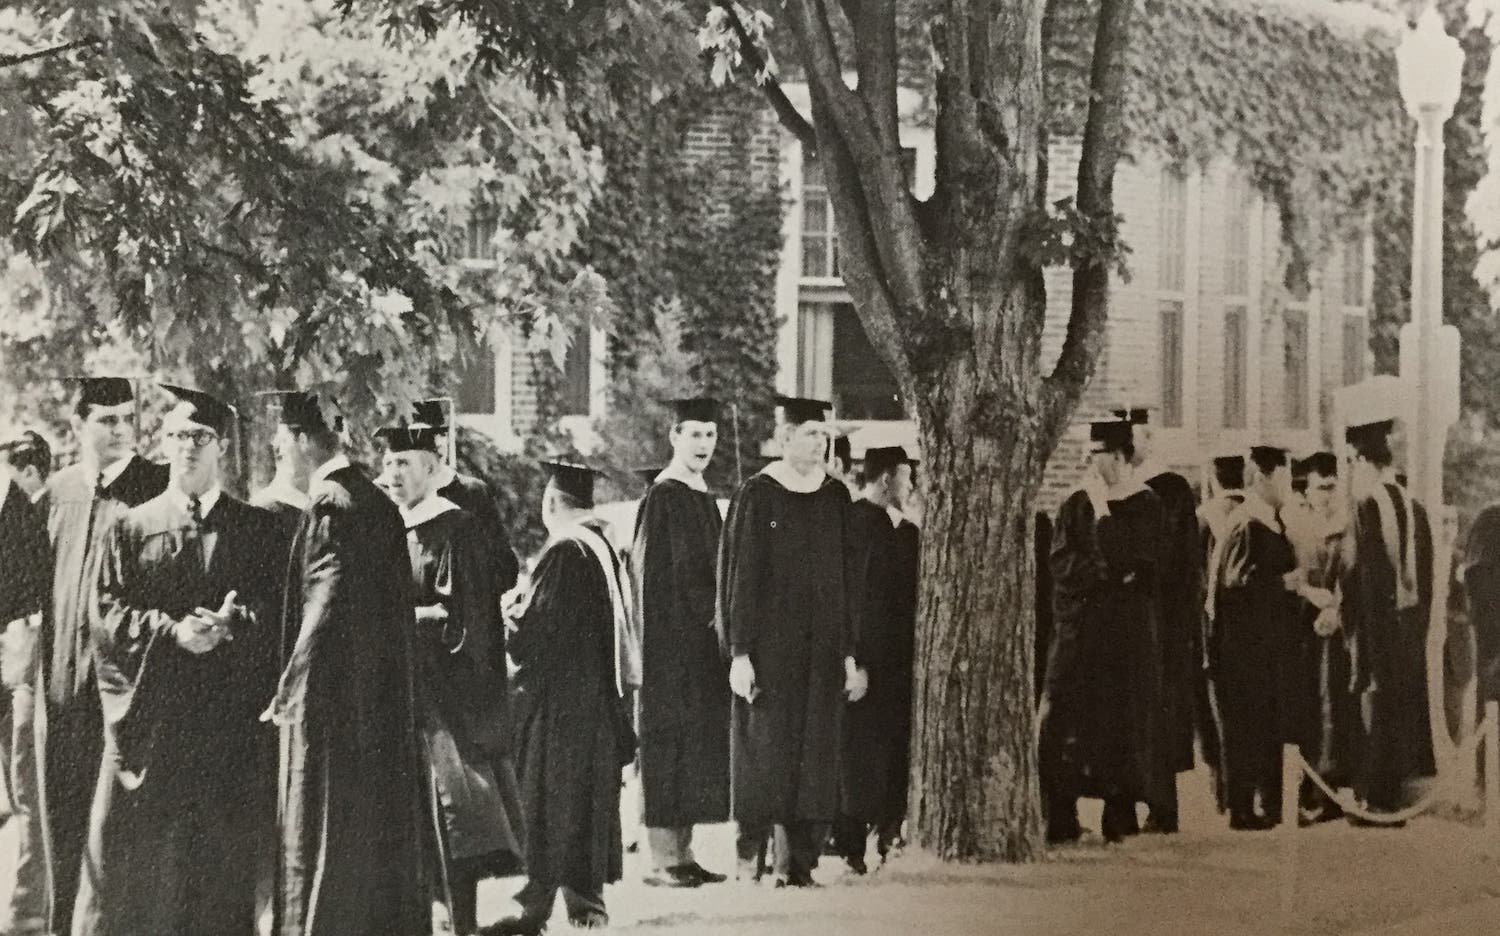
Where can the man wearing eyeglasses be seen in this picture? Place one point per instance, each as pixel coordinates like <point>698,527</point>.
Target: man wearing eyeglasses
<point>82,502</point>
<point>186,649</point>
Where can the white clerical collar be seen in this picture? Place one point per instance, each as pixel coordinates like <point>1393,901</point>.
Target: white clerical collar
<point>286,493</point>
<point>793,480</point>
<point>206,500</point>
<point>426,509</point>
<point>675,472</point>
<point>337,463</point>
<point>445,476</point>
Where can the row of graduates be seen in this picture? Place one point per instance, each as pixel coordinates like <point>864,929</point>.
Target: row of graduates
<point>163,613</point>
<point>1272,613</point>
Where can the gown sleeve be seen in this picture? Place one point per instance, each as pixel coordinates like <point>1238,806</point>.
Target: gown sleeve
<point>1074,563</point>
<point>323,542</point>
<point>741,559</point>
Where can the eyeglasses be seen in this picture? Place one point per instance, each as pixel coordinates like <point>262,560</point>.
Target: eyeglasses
<point>197,438</point>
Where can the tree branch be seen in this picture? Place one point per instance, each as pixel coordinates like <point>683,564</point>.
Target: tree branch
<point>876,60</point>
<point>11,59</point>
<point>1102,134</point>
<point>786,111</point>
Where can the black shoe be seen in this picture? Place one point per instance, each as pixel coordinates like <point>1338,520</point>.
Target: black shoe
<point>702,874</point>
<point>593,919</point>
<point>857,866</point>
<point>796,880</point>
<point>677,876</point>
<point>1164,823</point>
<point>1251,823</point>
<point>1359,823</point>
<point>514,926</point>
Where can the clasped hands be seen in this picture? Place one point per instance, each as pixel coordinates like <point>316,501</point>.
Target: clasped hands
<point>204,629</point>
<point>742,679</point>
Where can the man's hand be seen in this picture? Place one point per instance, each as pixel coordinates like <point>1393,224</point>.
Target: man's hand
<point>1295,580</point>
<point>742,678</point>
<point>203,630</point>
<point>856,680</point>
<point>1320,598</point>
<point>1327,623</point>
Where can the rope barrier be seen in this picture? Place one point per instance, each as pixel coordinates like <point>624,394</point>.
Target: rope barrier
<point>1465,749</point>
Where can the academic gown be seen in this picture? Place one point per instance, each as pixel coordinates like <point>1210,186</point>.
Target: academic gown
<point>180,786</point>
<point>1481,582</point>
<point>1250,639</point>
<point>1042,544</point>
<point>1180,613</point>
<point>1213,525</point>
<point>69,728</point>
<point>875,750</point>
<point>474,497</point>
<point>685,697</point>
<point>1102,733</point>
<point>462,700</point>
<point>786,601</point>
<point>351,770</point>
<point>568,717</point>
<point>1326,721</point>
<point>1391,648</point>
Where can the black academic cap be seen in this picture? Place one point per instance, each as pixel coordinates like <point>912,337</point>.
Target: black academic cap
<point>1369,434</point>
<point>883,459</point>
<point>842,449</point>
<point>648,475</point>
<point>1229,471</point>
<point>799,410</point>
<point>1111,435</point>
<point>572,479</point>
<point>103,391</point>
<point>430,413</point>
<point>696,409</point>
<point>1136,417</point>
<point>203,408</point>
<point>1268,457</point>
<point>408,438</point>
<point>1321,463</point>
<point>299,409</point>
<point>27,447</point>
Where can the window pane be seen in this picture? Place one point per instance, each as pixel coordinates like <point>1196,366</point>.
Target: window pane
<point>1356,345</point>
<point>863,387</point>
<point>1238,199</point>
<point>1294,368</point>
<point>477,242</point>
<point>815,350</point>
<point>909,164</point>
<point>1354,271</point>
<point>1236,367</point>
<point>1173,230</point>
<point>1171,363</point>
<point>574,385</point>
<point>814,256</point>
<point>476,382</point>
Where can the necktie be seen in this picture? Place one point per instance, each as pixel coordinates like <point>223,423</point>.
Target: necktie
<point>195,510</point>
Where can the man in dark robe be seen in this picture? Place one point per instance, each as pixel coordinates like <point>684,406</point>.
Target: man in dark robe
<point>1386,590</point>
<point>25,580</point>
<point>1253,624</point>
<point>185,652</point>
<point>1327,716</point>
<point>351,772</point>
<point>1179,613</point>
<point>1101,707</point>
<point>875,750</point>
<point>83,501</point>
<point>475,812</point>
<point>572,728</point>
<point>1225,496</point>
<point>1479,571</point>
<point>1042,546</point>
<point>786,615</point>
<point>684,705</point>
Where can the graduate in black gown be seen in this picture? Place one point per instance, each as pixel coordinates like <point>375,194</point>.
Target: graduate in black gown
<point>25,592</point>
<point>1386,590</point>
<point>1180,613</point>
<point>186,643</point>
<point>475,811</point>
<point>83,501</point>
<point>350,819</point>
<point>1225,495</point>
<point>1479,571</point>
<point>786,614</point>
<point>1253,626</point>
<point>1101,707</point>
<point>684,704</point>
<point>874,756</point>
<point>572,728</point>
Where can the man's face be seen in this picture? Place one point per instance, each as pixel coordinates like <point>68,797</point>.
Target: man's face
<point>1278,487</point>
<point>1141,435</point>
<point>805,445</point>
<point>410,475</point>
<point>194,452</point>
<point>693,444</point>
<point>107,433</point>
<point>1107,466</point>
<point>1320,491</point>
<point>899,482</point>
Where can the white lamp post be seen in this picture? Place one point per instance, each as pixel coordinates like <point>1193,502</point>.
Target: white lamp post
<point>1430,64</point>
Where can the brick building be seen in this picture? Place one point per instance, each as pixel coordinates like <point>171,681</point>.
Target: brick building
<point>1205,330</point>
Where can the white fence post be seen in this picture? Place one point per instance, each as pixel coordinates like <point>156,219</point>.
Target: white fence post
<point>1291,785</point>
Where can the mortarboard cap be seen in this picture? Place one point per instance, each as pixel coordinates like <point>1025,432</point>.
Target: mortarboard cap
<point>1229,471</point>
<point>883,459</point>
<point>1111,435</point>
<point>696,409</point>
<point>408,438</point>
<point>430,413</point>
<point>299,409</point>
<point>203,408</point>
<point>1138,416</point>
<point>798,410</point>
<point>1369,434</point>
<point>573,479</point>
<point>1268,457</point>
<point>103,391</point>
<point>1321,463</point>
<point>28,446</point>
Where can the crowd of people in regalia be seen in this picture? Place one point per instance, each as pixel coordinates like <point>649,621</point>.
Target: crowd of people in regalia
<point>338,702</point>
<point>1288,605</point>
